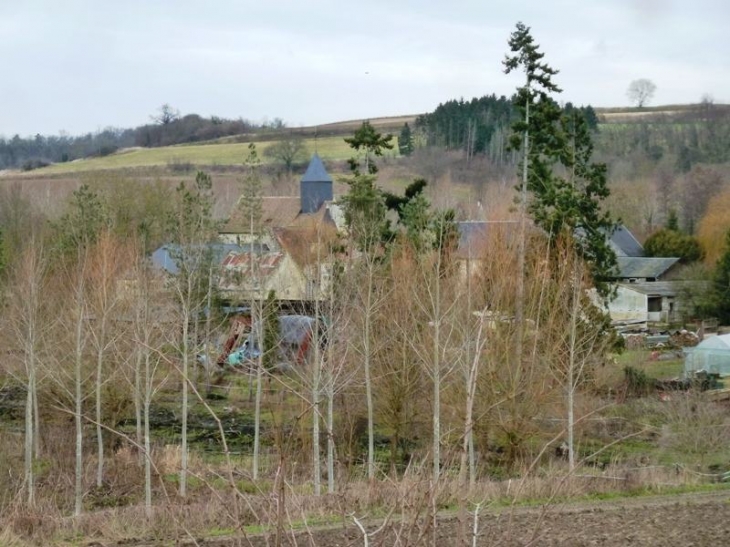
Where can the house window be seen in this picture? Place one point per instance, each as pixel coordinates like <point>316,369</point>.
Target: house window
<point>655,303</point>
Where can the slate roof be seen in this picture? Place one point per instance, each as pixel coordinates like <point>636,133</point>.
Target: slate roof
<point>643,267</point>
<point>316,172</point>
<point>164,258</point>
<point>624,243</point>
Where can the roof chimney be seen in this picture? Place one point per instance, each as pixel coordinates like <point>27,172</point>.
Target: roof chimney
<point>315,187</point>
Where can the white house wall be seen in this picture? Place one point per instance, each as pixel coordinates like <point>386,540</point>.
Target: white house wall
<point>287,281</point>
<point>629,305</point>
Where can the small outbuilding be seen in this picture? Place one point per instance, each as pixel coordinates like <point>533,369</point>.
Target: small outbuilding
<point>712,355</point>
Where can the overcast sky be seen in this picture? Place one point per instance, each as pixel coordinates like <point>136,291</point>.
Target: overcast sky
<point>78,65</point>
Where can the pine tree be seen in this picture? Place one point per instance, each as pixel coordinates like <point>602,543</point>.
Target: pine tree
<point>365,212</point>
<point>573,204</point>
<point>405,141</point>
<point>550,138</point>
<point>532,134</point>
<point>82,223</point>
<point>251,205</point>
<point>372,143</point>
<point>671,243</point>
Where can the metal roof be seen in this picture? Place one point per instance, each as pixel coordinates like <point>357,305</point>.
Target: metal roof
<point>316,172</point>
<point>167,257</point>
<point>265,262</point>
<point>655,288</point>
<point>640,267</point>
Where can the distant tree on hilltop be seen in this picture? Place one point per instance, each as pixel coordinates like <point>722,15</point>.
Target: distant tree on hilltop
<point>641,91</point>
<point>166,115</point>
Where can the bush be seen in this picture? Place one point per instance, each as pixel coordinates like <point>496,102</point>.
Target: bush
<point>30,165</point>
<point>638,384</point>
<point>670,243</point>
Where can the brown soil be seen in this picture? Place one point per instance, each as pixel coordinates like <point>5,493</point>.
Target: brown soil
<point>681,520</point>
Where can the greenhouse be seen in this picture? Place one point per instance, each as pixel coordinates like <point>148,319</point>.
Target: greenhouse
<point>711,355</point>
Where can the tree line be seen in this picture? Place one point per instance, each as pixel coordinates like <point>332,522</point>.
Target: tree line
<point>480,126</point>
<point>168,127</point>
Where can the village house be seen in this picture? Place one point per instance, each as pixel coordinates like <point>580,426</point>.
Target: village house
<point>644,292</point>
<point>291,252</point>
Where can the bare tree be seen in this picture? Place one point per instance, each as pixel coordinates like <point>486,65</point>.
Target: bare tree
<point>28,325</point>
<point>166,114</point>
<point>71,373</point>
<point>192,228</point>
<point>250,204</point>
<point>641,91</point>
<point>287,150</point>
<point>436,302</point>
<point>399,378</point>
<point>368,298</point>
<point>575,341</point>
<point>150,314</point>
<point>107,258</point>
<point>700,185</point>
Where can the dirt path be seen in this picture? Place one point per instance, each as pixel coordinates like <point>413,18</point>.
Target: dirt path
<point>679,520</point>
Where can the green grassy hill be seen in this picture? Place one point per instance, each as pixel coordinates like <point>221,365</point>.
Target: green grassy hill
<point>326,140</point>
<point>332,148</point>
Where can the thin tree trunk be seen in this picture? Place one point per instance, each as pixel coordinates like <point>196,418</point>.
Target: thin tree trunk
<point>36,419</point>
<point>29,478</point>
<point>330,437</point>
<point>316,378</point>
<point>473,376</point>
<point>520,292</point>
<point>472,461</point>
<point>99,381</point>
<point>257,421</point>
<point>436,405</point>
<point>78,356</point>
<point>330,390</point>
<point>184,410</point>
<point>208,320</point>
<point>437,377</point>
<point>147,447</point>
<point>575,310</point>
<point>316,461</point>
<point>368,381</point>
<point>138,398</point>
<point>469,430</point>
<point>258,316</point>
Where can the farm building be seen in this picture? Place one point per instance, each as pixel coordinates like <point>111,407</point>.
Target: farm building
<point>313,206</point>
<point>650,301</point>
<point>295,242</point>
<point>711,355</point>
<point>644,293</point>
